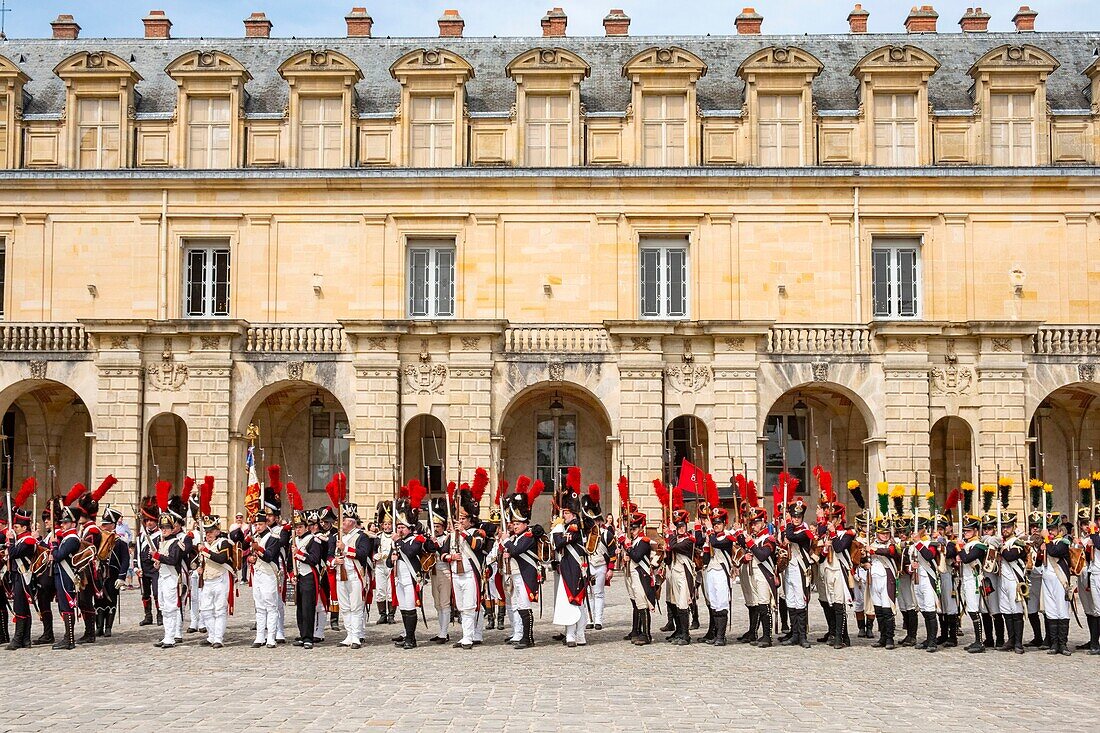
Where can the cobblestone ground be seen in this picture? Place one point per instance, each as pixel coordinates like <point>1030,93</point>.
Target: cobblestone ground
<point>125,684</point>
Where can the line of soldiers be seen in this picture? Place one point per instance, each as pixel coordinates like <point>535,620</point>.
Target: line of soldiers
<point>479,572</point>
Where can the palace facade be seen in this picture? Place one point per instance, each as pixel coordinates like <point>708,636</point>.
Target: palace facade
<point>410,257</point>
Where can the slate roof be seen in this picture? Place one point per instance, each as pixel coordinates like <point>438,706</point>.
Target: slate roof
<point>604,91</point>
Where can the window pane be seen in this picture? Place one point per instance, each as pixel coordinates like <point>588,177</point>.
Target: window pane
<point>196,267</point>
<point>650,293</point>
<point>221,283</point>
<point>3,275</point>
<point>418,282</point>
<point>880,277</point>
<point>677,282</point>
<point>907,282</point>
<point>444,288</point>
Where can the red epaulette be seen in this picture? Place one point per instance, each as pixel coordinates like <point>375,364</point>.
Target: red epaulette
<point>28,540</point>
<point>420,538</point>
<point>528,533</point>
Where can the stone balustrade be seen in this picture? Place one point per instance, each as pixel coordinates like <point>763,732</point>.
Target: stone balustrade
<point>295,338</point>
<point>819,340</point>
<point>554,339</point>
<point>1067,340</point>
<point>35,337</point>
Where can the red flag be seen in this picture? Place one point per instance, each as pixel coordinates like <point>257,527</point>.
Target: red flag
<point>691,478</point>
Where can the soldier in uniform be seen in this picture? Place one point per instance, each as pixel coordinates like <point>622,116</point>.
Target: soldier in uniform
<point>45,591</point>
<point>240,534</point>
<point>496,602</point>
<point>170,565</point>
<point>1035,581</point>
<point>949,587</point>
<point>992,620</point>
<point>1089,583</point>
<point>717,545</point>
<point>1056,583</point>
<point>836,570</point>
<point>906,597</point>
<point>571,592</point>
<point>192,540</point>
<point>65,575</point>
<point>1013,583</point>
<point>382,529</point>
<point>91,583</point>
<point>797,578</point>
<point>680,579</point>
<point>638,577</point>
<point>440,574</point>
<point>409,548</point>
<point>595,525</point>
<point>21,550</point>
<point>283,534</point>
<point>972,552</point>
<point>353,554</point>
<point>328,610</point>
<point>924,566</point>
<point>308,570</point>
<point>760,557</point>
<point>146,545</point>
<point>883,557</point>
<point>266,558</point>
<point>216,574</point>
<point>467,561</point>
<point>112,572</point>
<point>520,563</point>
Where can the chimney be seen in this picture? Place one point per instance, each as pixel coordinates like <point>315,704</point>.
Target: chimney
<point>857,19</point>
<point>359,23</point>
<point>748,22</point>
<point>1024,19</point>
<point>554,22</point>
<point>921,20</point>
<point>157,25</point>
<point>65,28</point>
<point>974,21</point>
<point>257,26</point>
<point>451,24</point>
<point>616,23</point>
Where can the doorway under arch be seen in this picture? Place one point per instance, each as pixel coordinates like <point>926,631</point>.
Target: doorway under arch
<point>686,438</point>
<point>424,452</point>
<point>166,452</point>
<point>1064,441</point>
<point>951,455</point>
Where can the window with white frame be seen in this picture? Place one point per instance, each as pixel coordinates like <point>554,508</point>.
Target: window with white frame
<point>780,129</point>
<point>206,279</point>
<point>3,275</point>
<point>664,129</point>
<point>3,129</point>
<point>208,132</point>
<point>98,132</point>
<point>896,277</point>
<point>1012,129</point>
<point>547,131</point>
<point>329,448</point>
<point>663,275</point>
<point>895,129</point>
<point>431,131</point>
<point>431,278</point>
<point>321,133</point>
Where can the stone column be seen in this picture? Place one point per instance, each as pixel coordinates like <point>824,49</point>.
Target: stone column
<point>906,426</point>
<point>470,396</point>
<point>736,419</point>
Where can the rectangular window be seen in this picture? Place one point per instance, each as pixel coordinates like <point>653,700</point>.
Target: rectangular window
<point>785,449</point>
<point>98,132</point>
<point>329,449</point>
<point>432,279</point>
<point>1012,129</point>
<point>780,129</point>
<point>555,448</point>
<point>895,276</point>
<point>206,280</point>
<point>3,130</point>
<point>664,129</point>
<point>895,129</point>
<point>322,132</point>
<point>3,276</point>
<point>431,132</point>
<point>663,276</point>
<point>547,133</point>
<point>208,132</point>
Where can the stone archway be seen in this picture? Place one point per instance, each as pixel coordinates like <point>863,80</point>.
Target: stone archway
<point>48,434</point>
<point>424,453</point>
<point>686,437</point>
<point>166,451</point>
<point>951,455</point>
<point>816,424</point>
<point>551,426</point>
<point>1064,440</point>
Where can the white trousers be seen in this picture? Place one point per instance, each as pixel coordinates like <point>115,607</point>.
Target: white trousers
<point>924,592</point>
<point>1006,600</point>
<point>906,599</point>
<point>879,582</point>
<point>949,601</point>
<point>406,594</point>
<point>196,600</point>
<point>349,594</point>
<point>168,595</point>
<point>280,612</point>
<point>265,594</point>
<point>1055,605</point>
<point>1035,594</point>
<point>1089,590</point>
<point>859,589</point>
<point>718,588</point>
<point>320,620</point>
<point>214,607</point>
<point>598,592</point>
<point>793,586</point>
<point>465,591</point>
<point>993,599</point>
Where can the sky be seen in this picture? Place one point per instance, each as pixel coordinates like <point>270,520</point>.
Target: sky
<point>321,18</point>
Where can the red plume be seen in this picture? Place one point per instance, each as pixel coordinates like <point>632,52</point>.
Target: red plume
<point>594,492</point>
<point>742,487</point>
<point>498,495</point>
<point>661,491</point>
<point>164,490</point>
<point>451,487</point>
<point>274,478</point>
<point>188,484</point>
<point>417,492</point>
<point>104,487</point>
<point>523,484</point>
<point>481,482</point>
<point>791,484</point>
<point>29,486</point>
<point>206,493</point>
<point>341,480</point>
<point>573,479</point>
<point>333,492</point>
<point>777,500</point>
<point>750,494</point>
<point>293,495</point>
<point>953,500</point>
<point>403,492</point>
<point>677,498</point>
<point>711,489</point>
<point>74,494</point>
<point>825,483</point>
<point>534,491</point>
<point>624,491</point>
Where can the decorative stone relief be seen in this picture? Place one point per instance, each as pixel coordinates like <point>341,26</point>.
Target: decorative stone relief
<point>640,343</point>
<point>120,342</point>
<point>688,377</point>
<point>209,343</point>
<point>167,375</point>
<point>951,380</point>
<point>295,370</point>
<point>424,378</point>
<point>820,371</point>
<point>38,369</point>
<point>556,369</point>
<point>376,343</point>
<point>470,343</point>
<point>1085,372</point>
<point>735,343</point>
<point>908,344</point>
<point>1002,345</point>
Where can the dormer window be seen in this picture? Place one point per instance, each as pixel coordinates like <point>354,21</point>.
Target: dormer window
<point>779,100</point>
<point>894,91</point>
<point>11,100</point>
<point>322,101</point>
<point>548,106</point>
<point>1010,94</point>
<point>211,96</point>
<point>99,97</point>
<point>433,97</point>
<point>665,106</point>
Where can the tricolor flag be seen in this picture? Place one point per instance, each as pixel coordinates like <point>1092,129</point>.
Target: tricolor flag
<point>691,479</point>
<point>252,491</point>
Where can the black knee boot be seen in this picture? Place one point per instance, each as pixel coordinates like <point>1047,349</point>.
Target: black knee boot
<point>720,622</point>
<point>683,621</point>
<point>976,646</point>
<point>784,618</point>
<point>16,640</point>
<point>708,638</point>
<point>635,624</point>
<point>47,629</point>
<point>500,617</point>
<point>89,628</point>
<point>830,620</point>
<point>644,637</point>
<point>804,627</point>
<point>794,637</point>
<point>841,638</point>
<point>670,622</point>
<point>147,620</point>
<point>987,627</point>
<point>869,627</point>
<point>952,635</point>
<point>67,640</point>
<point>408,618</point>
<point>1094,635</point>
<point>999,629</point>
<point>526,620</point>
<point>750,634</point>
<point>108,622</point>
<point>694,616</point>
<point>1036,631</point>
<point>4,637</point>
<point>765,613</point>
<point>931,632</point>
<point>909,620</point>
